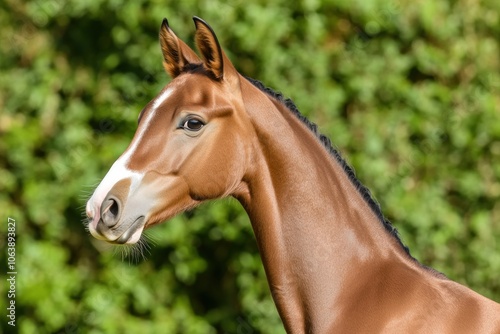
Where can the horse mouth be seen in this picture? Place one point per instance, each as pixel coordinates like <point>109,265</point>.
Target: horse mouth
<point>130,235</point>
<point>133,233</point>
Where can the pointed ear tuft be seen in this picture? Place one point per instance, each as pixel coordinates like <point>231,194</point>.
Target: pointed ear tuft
<point>210,49</point>
<point>176,54</point>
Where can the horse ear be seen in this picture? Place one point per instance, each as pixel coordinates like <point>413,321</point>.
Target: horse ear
<point>176,54</point>
<point>215,60</point>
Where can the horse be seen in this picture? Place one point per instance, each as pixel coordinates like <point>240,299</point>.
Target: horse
<point>333,262</point>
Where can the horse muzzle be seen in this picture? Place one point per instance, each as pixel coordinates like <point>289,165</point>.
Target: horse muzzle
<point>111,221</point>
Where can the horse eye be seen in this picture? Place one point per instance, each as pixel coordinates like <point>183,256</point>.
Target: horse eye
<point>193,124</point>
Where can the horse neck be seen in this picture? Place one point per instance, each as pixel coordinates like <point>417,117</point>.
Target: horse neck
<point>317,235</point>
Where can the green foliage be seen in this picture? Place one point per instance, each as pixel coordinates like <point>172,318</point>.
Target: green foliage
<point>407,90</point>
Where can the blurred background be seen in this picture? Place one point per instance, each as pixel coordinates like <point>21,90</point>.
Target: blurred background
<point>407,90</point>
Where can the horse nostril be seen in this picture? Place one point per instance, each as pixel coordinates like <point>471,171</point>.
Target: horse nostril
<point>110,211</point>
<point>113,209</point>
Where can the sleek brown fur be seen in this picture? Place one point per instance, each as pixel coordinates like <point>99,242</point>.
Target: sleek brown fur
<point>332,263</point>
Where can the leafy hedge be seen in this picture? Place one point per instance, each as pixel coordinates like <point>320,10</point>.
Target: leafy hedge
<point>408,91</point>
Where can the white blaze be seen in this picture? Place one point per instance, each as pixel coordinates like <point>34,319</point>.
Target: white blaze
<point>119,171</point>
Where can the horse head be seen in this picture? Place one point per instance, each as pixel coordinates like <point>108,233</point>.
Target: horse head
<point>189,145</point>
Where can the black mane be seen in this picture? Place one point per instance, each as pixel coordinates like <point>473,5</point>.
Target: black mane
<point>364,191</point>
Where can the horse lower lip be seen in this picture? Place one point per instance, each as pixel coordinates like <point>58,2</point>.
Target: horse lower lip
<point>137,224</point>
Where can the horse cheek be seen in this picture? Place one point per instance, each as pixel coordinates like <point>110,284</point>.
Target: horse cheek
<point>218,175</point>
